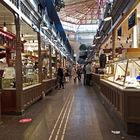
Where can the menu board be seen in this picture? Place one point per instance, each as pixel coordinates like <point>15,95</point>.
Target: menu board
<point>132,20</point>
<point>119,32</point>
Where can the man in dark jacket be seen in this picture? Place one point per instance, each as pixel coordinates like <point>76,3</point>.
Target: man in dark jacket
<point>102,60</point>
<point>60,76</point>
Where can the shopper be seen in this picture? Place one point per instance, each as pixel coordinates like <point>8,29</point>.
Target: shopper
<point>35,66</point>
<point>66,75</point>
<point>102,60</point>
<point>60,77</point>
<point>88,73</point>
<point>79,72</point>
<point>74,74</point>
<point>84,72</point>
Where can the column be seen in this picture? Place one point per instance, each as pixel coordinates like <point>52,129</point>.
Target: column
<point>39,58</point>
<point>18,66</point>
<point>50,61</point>
<point>113,43</point>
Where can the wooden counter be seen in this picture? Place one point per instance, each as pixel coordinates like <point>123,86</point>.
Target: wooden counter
<point>10,104</point>
<point>124,103</point>
<point>29,95</point>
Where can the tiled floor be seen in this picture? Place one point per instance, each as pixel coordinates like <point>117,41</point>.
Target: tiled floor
<point>73,113</point>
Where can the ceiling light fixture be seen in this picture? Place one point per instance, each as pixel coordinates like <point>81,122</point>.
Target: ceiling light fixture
<point>45,27</point>
<point>93,45</point>
<point>22,38</point>
<point>107,18</point>
<point>4,27</point>
<point>97,37</point>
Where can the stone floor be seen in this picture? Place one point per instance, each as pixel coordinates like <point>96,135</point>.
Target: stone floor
<point>73,113</point>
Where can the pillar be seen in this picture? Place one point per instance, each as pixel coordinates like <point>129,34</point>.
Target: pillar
<point>18,66</point>
<point>39,58</point>
<point>50,61</point>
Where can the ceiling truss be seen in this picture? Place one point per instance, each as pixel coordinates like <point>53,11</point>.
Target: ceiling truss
<point>82,11</point>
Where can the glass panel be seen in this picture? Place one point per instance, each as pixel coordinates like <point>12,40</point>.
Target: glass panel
<point>54,62</point>
<point>133,73</point>
<point>120,72</point>
<point>7,49</point>
<point>45,53</point>
<point>110,71</point>
<point>29,55</point>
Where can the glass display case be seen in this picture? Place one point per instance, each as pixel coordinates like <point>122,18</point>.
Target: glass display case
<point>30,54</point>
<point>8,77</point>
<point>7,59</point>
<point>45,55</point>
<point>45,68</point>
<point>30,73</point>
<point>54,63</point>
<point>30,65</point>
<point>124,72</point>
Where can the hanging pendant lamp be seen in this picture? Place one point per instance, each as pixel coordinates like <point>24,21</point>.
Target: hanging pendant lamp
<point>4,27</point>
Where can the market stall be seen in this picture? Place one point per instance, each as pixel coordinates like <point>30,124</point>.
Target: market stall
<point>120,88</point>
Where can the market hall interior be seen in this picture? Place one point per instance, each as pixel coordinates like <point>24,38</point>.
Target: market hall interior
<point>47,43</point>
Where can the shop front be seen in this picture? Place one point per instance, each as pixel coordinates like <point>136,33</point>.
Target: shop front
<point>31,68</point>
<point>28,61</point>
<point>7,60</point>
<point>120,86</point>
<point>48,67</point>
<point>101,59</point>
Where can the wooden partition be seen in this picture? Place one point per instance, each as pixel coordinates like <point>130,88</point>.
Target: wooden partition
<point>96,80</point>
<point>54,83</point>
<point>48,85</point>
<point>113,96</point>
<point>8,101</point>
<point>30,95</point>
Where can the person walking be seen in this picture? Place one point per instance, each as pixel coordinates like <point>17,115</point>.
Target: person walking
<point>66,75</point>
<point>60,77</point>
<point>84,72</point>
<point>88,73</point>
<point>79,72</point>
<point>74,74</point>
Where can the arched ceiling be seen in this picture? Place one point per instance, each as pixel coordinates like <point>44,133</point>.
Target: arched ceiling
<point>82,11</point>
